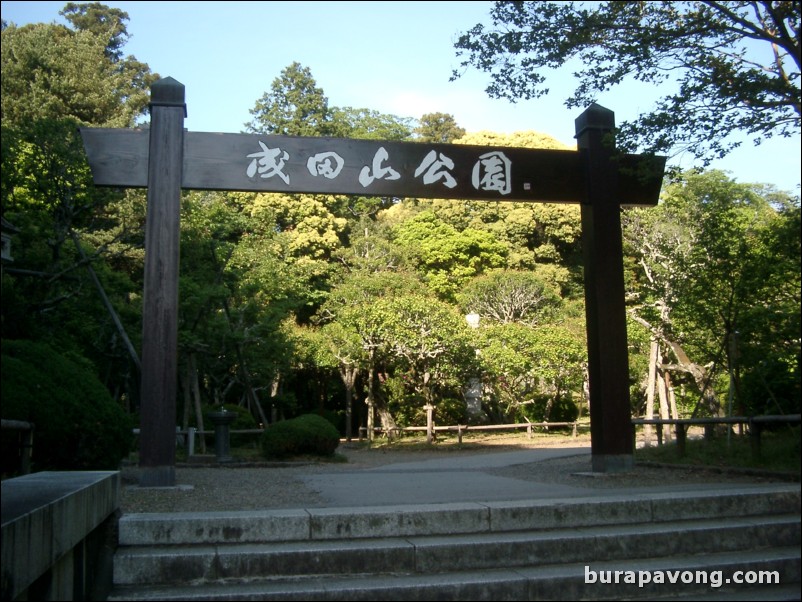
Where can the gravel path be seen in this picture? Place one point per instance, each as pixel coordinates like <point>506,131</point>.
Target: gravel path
<point>266,485</point>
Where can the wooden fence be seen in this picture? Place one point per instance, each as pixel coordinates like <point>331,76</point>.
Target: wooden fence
<point>460,429</point>
<point>756,425</point>
<point>191,433</point>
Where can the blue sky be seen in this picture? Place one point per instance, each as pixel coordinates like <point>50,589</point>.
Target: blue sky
<point>392,57</point>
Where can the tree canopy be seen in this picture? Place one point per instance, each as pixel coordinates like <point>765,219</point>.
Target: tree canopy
<point>52,71</point>
<point>707,284</point>
<point>316,302</point>
<point>729,66</point>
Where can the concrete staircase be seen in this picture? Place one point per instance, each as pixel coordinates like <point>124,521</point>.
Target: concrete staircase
<point>566,549</point>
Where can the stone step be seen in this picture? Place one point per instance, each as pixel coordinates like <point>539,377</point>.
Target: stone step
<point>707,577</point>
<point>522,550</point>
<point>448,519</point>
<point>445,553</point>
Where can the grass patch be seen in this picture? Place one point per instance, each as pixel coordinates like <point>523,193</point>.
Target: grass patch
<point>780,451</point>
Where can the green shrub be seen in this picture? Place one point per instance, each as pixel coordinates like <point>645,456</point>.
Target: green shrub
<point>307,434</point>
<point>77,424</point>
<point>563,409</point>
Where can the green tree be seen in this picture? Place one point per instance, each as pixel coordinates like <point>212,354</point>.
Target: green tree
<point>310,230</point>
<point>533,369</point>
<point>561,357</point>
<point>348,319</point>
<point>428,341</point>
<point>102,21</point>
<point>367,124</point>
<point>732,66</point>
<point>370,250</point>
<point>447,258</point>
<point>541,237</point>
<point>345,347</point>
<point>768,361</point>
<point>429,337</point>
<point>357,289</point>
<point>66,285</point>
<point>236,295</point>
<point>509,296</point>
<point>295,106</point>
<point>316,360</point>
<point>440,128</point>
<point>508,368</point>
<point>53,72</point>
<point>708,266</point>
<point>76,279</point>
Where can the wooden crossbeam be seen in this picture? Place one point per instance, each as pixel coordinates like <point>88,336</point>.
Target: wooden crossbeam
<point>119,157</point>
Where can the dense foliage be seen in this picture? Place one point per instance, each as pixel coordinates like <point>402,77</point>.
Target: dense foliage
<point>77,424</point>
<point>726,66</point>
<point>355,307</point>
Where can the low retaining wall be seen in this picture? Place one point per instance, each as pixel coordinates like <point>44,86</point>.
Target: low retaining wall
<point>58,535</point>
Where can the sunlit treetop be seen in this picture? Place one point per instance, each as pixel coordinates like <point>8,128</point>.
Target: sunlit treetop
<point>727,66</point>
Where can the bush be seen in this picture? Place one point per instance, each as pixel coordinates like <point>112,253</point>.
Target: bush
<point>77,424</point>
<point>306,434</point>
<point>563,409</point>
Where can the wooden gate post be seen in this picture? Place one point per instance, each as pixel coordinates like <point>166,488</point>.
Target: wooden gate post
<point>160,309</point>
<point>605,311</point>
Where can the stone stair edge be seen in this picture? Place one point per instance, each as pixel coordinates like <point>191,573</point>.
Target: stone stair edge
<point>423,554</point>
<point>564,582</point>
<point>742,522</point>
<point>473,517</point>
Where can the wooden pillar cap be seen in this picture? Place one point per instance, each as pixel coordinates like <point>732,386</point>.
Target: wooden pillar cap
<point>595,117</point>
<point>168,92</point>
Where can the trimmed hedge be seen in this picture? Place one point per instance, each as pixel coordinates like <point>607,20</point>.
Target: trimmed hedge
<point>308,434</point>
<point>77,424</point>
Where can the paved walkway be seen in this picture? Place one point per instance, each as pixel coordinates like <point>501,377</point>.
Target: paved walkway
<point>469,478</point>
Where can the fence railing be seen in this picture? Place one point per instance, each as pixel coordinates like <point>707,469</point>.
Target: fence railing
<point>756,425</point>
<point>189,436</point>
<point>461,429</point>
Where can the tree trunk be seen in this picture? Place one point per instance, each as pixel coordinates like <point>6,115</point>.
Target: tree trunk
<point>195,386</point>
<point>250,393</point>
<point>547,410</point>
<point>348,373</point>
<point>648,429</point>
<point>387,421</point>
<point>700,375</point>
<point>672,399</point>
<point>370,399</point>
<point>585,388</point>
<point>662,395</point>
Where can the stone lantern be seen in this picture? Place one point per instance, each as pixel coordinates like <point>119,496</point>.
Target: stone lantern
<point>222,436</point>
